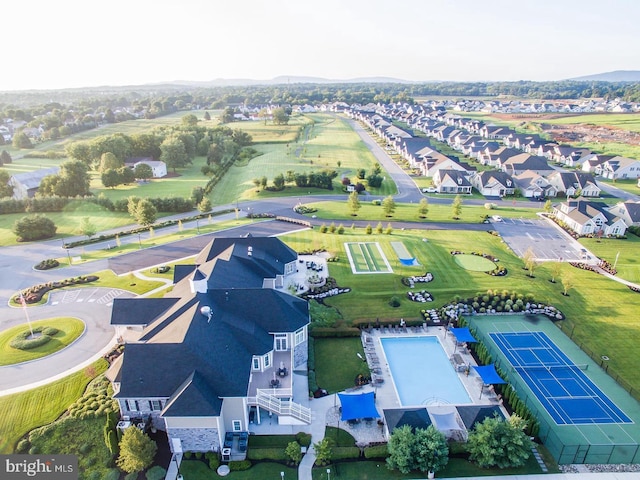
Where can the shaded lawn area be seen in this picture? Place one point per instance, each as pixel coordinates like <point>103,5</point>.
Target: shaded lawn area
<point>337,362</point>
<point>197,470</point>
<point>69,329</point>
<point>22,412</point>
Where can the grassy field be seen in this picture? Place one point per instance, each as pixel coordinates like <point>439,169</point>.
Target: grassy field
<point>408,212</point>
<point>324,142</point>
<point>625,121</point>
<point>628,262</point>
<point>337,363</point>
<point>604,328</point>
<point>22,412</point>
<point>69,329</point>
<point>262,132</point>
<point>630,186</point>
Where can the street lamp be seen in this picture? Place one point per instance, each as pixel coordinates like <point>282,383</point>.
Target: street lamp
<point>328,473</point>
<point>282,475</point>
<point>139,242</point>
<point>198,225</point>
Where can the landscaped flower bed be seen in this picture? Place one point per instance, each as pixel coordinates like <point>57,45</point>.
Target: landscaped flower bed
<point>35,294</point>
<point>421,296</point>
<point>47,264</point>
<point>329,289</point>
<point>499,271</point>
<point>477,254</point>
<point>410,281</point>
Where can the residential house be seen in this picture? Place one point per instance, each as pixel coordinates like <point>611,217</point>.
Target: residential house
<point>436,161</point>
<point>218,350</point>
<point>25,185</point>
<point>567,155</point>
<point>493,183</point>
<point>618,168</point>
<point>591,161</point>
<point>158,167</point>
<point>452,181</point>
<point>629,211</point>
<point>521,163</point>
<point>533,185</point>
<point>586,217</point>
<point>495,157</point>
<point>574,183</point>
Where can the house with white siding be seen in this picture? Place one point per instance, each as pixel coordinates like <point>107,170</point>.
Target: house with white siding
<point>586,217</point>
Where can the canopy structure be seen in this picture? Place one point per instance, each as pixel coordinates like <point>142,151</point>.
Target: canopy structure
<point>449,423</point>
<point>358,406</point>
<point>463,334</point>
<point>489,375</point>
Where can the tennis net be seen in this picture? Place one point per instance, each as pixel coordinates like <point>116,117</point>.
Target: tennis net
<point>553,368</point>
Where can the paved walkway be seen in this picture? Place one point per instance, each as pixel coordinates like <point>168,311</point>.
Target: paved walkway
<point>319,408</point>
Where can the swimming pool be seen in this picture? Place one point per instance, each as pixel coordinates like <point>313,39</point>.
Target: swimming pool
<point>422,373</point>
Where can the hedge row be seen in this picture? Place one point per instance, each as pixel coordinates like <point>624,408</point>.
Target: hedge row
<point>376,451</point>
<point>324,332</point>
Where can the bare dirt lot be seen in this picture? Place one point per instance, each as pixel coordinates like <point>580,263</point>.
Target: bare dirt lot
<point>583,132</point>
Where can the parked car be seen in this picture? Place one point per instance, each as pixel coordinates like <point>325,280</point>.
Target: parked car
<point>496,218</point>
<point>430,190</point>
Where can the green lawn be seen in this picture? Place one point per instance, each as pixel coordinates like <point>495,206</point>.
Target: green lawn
<point>474,263</point>
<point>69,329</point>
<point>624,121</point>
<point>337,362</point>
<point>262,132</point>
<point>407,212</point>
<point>197,470</point>
<point>22,412</point>
<point>630,186</point>
<point>626,251</point>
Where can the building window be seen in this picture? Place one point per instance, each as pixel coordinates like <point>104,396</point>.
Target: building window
<point>237,425</point>
<point>132,406</point>
<point>281,342</point>
<point>256,363</point>
<point>300,336</point>
<point>155,405</point>
<point>267,360</point>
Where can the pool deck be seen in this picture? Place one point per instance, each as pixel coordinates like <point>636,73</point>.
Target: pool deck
<point>382,380</point>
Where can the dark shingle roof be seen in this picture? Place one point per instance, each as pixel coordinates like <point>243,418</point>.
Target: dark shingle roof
<point>414,417</point>
<point>473,414</point>
<point>139,311</point>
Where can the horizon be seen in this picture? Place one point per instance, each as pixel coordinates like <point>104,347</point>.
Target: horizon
<point>147,43</point>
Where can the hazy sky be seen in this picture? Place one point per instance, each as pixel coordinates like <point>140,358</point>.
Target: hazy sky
<point>74,43</point>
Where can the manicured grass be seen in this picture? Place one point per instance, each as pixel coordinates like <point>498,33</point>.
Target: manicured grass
<point>22,412</point>
<point>630,186</point>
<point>603,327</point>
<point>270,133</point>
<point>337,363</point>
<point>474,263</point>
<point>377,470</point>
<point>408,212</point>
<point>69,329</point>
<point>197,470</point>
<point>624,121</point>
<point>323,143</point>
<point>366,257</point>
<point>626,251</point>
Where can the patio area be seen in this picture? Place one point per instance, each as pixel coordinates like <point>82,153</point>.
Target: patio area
<point>309,269</point>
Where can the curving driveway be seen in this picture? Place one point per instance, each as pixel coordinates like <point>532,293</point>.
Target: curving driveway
<point>91,305</point>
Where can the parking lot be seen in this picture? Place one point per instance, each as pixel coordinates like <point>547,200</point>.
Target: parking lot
<point>547,241</point>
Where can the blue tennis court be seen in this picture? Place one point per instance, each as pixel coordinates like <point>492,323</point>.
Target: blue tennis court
<point>561,386</point>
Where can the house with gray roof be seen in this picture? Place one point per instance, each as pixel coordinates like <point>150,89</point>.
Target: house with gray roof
<point>452,181</point>
<point>586,217</point>
<point>493,183</point>
<point>574,183</point>
<point>520,163</point>
<point>25,185</point>
<point>218,350</point>
<point>629,211</point>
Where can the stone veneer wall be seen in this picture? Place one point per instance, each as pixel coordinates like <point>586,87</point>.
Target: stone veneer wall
<point>300,354</point>
<point>195,439</point>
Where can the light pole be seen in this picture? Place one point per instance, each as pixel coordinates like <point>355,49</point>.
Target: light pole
<point>328,474</point>
<point>139,242</point>
<point>198,225</point>
<point>282,475</point>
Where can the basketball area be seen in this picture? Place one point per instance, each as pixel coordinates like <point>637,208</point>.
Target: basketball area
<point>584,415</point>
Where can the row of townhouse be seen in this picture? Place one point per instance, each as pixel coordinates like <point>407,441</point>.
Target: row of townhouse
<point>520,162</point>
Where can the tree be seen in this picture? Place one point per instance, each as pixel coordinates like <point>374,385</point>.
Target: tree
<point>87,227</point>
<point>323,451</point>
<point>556,269</point>
<point>189,120</point>
<point>430,450</point>
<point>423,208</point>
<point>6,190</point>
<point>197,194</point>
<point>567,282</point>
<point>72,181</point>
<point>216,154</point>
<point>499,443</point>
<point>263,182</point>
<point>174,153</point>
<point>79,151</point>
<point>293,452</point>
<point>388,206</point>
<point>207,116</point>
<point>256,182</point>
<point>34,227</point>
<point>143,171</point>
<point>127,175</point>
<point>548,206</point>
<point>136,451</point>
<point>278,182</point>
<point>20,140</point>
<point>400,447</point>
<point>5,158</point>
<point>205,205</point>
<point>227,115</point>
<point>530,261</point>
<point>110,178</point>
<point>456,207</point>
<point>379,228</point>
<point>353,203</point>
<point>280,116</point>
<point>109,160</point>
<point>145,212</point>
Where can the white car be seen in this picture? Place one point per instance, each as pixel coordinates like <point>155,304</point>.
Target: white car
<point>430,190</point>
<point>496,218</point>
